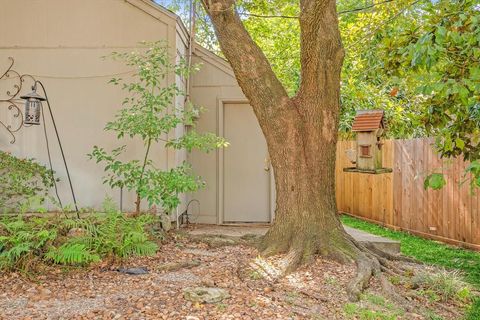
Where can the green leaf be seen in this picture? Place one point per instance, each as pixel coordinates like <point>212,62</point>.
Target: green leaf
<point>434,181</point>
<point>459,143</point>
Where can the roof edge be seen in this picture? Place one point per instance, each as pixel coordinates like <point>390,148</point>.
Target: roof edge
<point>368,120</point>
<point>215,59</point>
<point>158,7</point>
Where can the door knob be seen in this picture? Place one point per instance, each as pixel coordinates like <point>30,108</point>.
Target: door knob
<point>267,164</point>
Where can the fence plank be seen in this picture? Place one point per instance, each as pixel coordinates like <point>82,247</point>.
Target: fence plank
<point>398,199</point>
<point>418,168</point>
<point>397,184</point>
<point>435,212</point>
<point>476,218</point>
<point>466,203</point>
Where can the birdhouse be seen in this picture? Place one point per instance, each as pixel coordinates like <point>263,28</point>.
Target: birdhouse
<point>369,126</point>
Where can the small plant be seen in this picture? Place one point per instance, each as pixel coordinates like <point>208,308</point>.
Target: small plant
<point>109,205</point>
<point>255,275</point>
<point>71,254</point>
<point>375,299</point>
<point>331,280</point>
<point>443,285</point>
<point>221,307</point>
<point>430,315</point>
<point>396,280</point>
<point>365,312</point>
<point>150,114</point>
<point>350,309</point>
<point>23,183</point>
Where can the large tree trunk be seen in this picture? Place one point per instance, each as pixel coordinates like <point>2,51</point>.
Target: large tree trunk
<point>301,132</point>
<point>301,135</point>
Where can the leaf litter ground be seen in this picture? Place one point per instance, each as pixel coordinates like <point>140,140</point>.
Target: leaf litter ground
<point>316,291</point>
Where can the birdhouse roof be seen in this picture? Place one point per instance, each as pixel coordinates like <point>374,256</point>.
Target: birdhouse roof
<point>368,120</point>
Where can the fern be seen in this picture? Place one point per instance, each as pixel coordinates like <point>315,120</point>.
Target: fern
<point>23,240</point>
<point>146,248</point>
<point>16,252</point>
<point>71,254</point>
<point>43,236</point>
<point>109,205</point>
<point>15,225</point>
<point>137,243</point>
<point>113,234</point>
<point>85,224</point>
<point>24,235</point>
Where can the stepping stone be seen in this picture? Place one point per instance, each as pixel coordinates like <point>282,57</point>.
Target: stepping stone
<point>205,294</point>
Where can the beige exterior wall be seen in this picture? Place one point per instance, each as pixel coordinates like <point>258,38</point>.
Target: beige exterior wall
<point>61,42</point>
<point>214,84</point>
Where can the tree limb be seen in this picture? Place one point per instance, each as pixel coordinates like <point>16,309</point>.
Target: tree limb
<point>252,69</point>
<point>321,48</point>
<point>272,16</point>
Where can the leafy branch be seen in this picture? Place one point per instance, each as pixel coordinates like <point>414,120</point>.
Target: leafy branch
<point>150,113</point>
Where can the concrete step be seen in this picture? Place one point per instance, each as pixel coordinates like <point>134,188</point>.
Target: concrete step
<point>381,243</point>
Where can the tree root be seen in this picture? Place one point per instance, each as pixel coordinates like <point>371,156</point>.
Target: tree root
<point>390,292</point>
<point>366,268</point>
<point>174,266</point>
<point>219,240</point>
<point>370,262</point>
<point>389,256</point>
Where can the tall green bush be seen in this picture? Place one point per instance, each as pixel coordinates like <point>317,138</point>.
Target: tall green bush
<point>21,181</point>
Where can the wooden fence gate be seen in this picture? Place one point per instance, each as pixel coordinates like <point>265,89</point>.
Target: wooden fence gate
<point>398,199</point>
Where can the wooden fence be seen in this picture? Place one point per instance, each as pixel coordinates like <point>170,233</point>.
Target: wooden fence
<point>398,199</point>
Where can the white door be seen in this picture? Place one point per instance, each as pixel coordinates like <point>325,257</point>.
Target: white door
<point>246,178</point>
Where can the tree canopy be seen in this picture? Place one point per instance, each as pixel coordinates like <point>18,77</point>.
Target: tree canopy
<point>418,60</point>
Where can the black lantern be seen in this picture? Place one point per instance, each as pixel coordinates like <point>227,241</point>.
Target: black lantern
<point>33,106</point>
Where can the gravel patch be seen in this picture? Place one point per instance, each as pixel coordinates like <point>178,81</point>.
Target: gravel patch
<point>187,277</point>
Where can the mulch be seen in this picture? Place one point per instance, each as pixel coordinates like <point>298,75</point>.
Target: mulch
<point>316,291</point>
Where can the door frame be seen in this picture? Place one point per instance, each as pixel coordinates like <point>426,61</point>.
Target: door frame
<point>221,102</point>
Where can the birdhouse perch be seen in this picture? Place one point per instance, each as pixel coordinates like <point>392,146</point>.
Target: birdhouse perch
<point>369,126</point>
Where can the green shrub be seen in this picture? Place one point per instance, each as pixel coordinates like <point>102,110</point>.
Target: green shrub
<point>22,180</point>
<point>26,242</point>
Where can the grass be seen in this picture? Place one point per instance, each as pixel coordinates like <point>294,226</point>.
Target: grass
<point>431,252</point>
<point>372,307</point>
